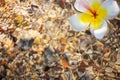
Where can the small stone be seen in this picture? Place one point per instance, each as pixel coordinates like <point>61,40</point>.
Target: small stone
<point>108,69</point>
<point>19,19</point>
<point>110,74</point>
<point>117,68</point>
<point>118,62</point>
<point>52,14</point>
<point>2,3</point>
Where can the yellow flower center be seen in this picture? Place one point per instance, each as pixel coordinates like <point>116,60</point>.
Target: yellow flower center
<point>94,15</point>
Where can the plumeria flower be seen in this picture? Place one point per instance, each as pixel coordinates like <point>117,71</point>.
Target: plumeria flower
<point>94,13</point>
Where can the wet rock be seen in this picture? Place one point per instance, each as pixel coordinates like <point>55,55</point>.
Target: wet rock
<point>25,44</point>
<point>49,55</point>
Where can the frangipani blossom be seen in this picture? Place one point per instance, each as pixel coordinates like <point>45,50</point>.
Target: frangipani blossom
<point>94,13</point>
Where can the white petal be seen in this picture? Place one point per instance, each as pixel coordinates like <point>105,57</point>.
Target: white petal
<point>77,24</point>
<point>100,33</point>
<point>92,1</point>
<point>112,7</point>
<point>82,5</point>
